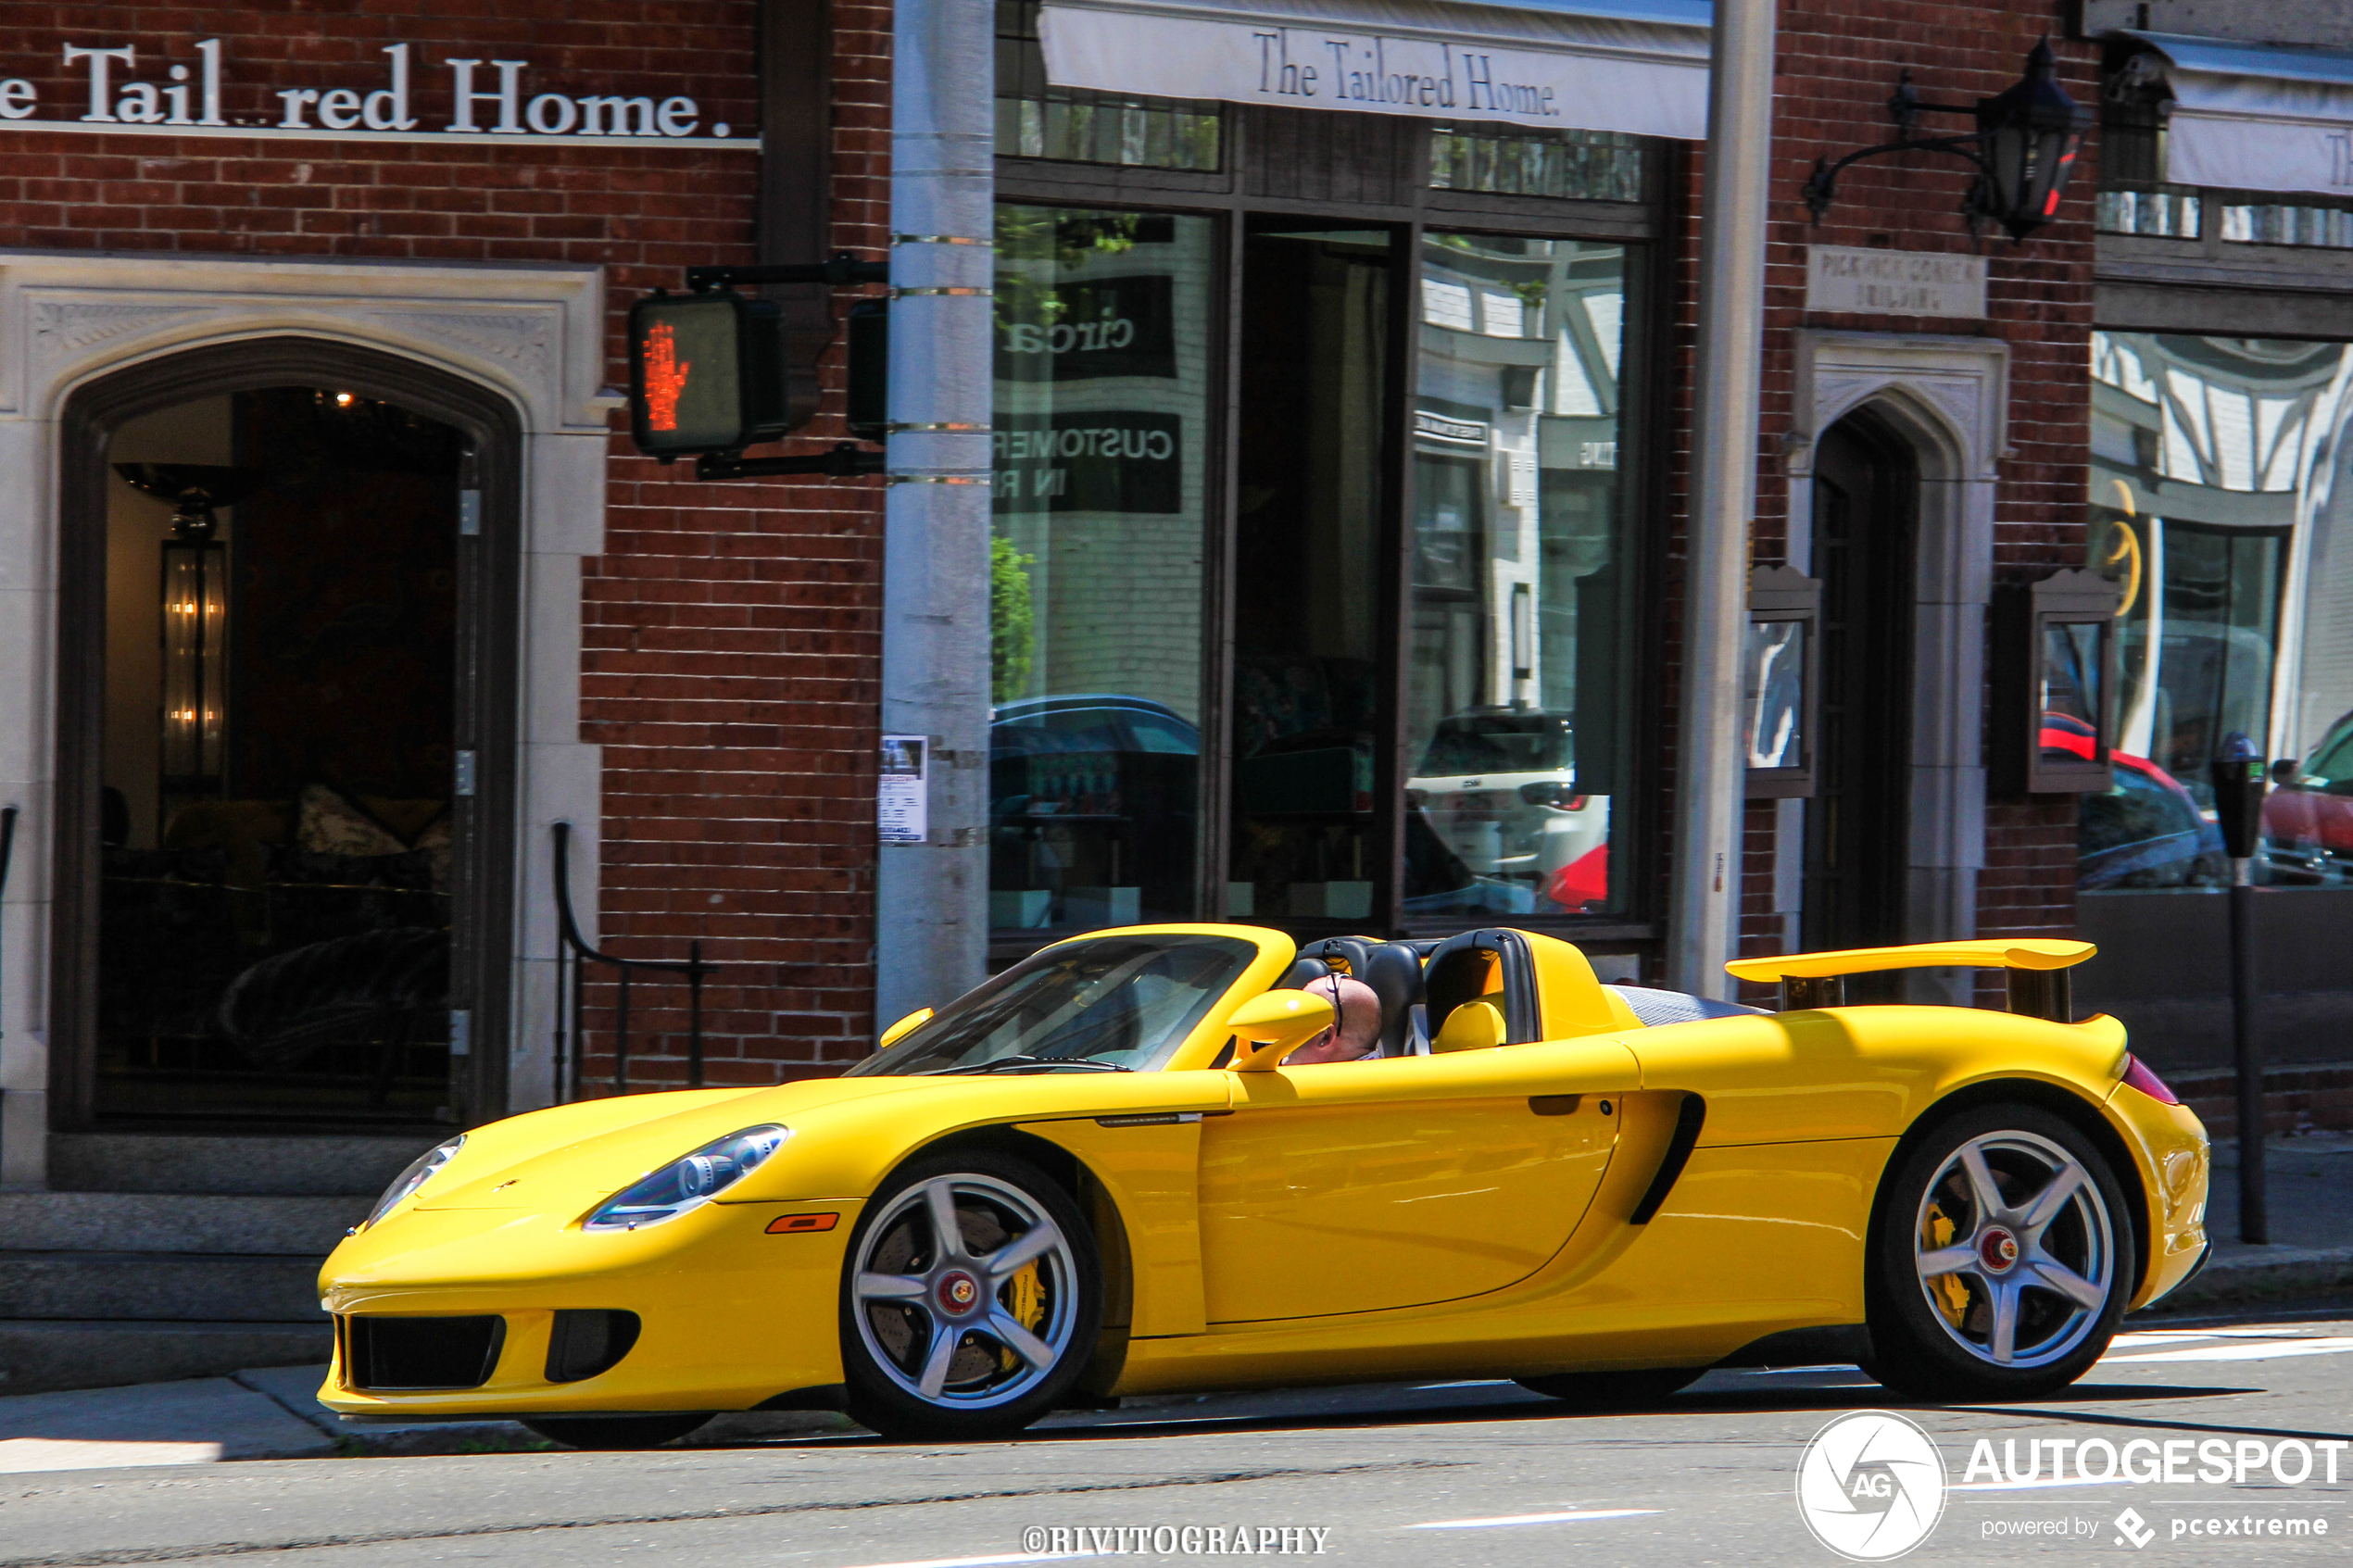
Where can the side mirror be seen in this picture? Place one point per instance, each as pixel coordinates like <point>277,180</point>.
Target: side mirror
<point>1276,1024</point>
<point>904,1027</point>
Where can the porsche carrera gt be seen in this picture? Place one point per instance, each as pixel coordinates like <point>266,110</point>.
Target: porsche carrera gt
<point>1094,1176</point>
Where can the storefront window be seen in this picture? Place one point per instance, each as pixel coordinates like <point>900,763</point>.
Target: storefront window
<point>2220,507</point>
<point>1096,566</point>
<point>1512,708</point>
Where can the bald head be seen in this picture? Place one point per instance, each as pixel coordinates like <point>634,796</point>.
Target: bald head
<point>1359,1022</point>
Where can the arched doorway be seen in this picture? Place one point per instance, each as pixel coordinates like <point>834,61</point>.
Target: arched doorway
<point>1865,541</point>
<point>287,661</point>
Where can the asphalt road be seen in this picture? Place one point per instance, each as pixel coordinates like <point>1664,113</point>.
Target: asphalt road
<point>1443,1474</point>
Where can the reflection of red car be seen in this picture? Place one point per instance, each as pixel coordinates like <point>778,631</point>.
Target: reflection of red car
<point>2146,830</point>
<point>2308,821</point>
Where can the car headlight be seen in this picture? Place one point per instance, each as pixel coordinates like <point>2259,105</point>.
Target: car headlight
<point>420,1171</point>
<point>687,1182</point>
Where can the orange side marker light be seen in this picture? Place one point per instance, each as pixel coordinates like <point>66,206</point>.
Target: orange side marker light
<point>796,1224</point>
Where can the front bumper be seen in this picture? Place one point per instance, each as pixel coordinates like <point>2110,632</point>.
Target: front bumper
<point>730,1315</point>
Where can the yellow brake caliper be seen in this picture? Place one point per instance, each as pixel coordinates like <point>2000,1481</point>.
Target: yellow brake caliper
<point>1951,1294</point>
<point>1026,1299</point>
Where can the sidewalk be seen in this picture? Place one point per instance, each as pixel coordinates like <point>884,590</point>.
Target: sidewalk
<point>269,1412</point>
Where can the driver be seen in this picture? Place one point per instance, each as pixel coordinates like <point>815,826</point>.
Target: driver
<point>1356,1035</point>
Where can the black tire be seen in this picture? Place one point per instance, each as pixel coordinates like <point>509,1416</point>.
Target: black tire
<point>2061,1277</point>
<point>1614,1390</point>
<point>606,1434</point>
<point>940,1345</point>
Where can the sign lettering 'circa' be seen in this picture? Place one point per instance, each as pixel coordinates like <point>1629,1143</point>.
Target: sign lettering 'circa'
<point>1894,283</point>
<point>488,101</point>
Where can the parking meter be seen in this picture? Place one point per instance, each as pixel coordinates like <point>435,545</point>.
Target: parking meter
<point>2238,810</point>
<point>2238,795</point>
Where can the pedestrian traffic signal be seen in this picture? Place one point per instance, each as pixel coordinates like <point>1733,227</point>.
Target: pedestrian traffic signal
<point>706,373</point>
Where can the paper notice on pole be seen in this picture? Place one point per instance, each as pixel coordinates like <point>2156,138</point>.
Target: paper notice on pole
<point>902,805</point>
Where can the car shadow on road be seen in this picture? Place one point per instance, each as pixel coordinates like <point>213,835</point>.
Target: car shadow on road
<point>1362,1407</point>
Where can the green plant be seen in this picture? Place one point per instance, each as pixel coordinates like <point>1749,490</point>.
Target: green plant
<point>1011,622</point>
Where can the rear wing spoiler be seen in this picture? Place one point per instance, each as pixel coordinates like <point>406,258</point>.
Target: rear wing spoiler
<point>2037,969</point>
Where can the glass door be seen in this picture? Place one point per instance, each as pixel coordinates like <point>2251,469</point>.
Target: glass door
<point>1307,848</point>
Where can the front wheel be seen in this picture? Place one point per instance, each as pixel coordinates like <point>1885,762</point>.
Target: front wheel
<point>2002,1260</point>
<point>970,1302</point>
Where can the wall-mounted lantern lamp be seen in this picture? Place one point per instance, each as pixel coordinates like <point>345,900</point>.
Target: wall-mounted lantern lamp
<point>1779,681</point>
<point>2025,147</point>
<point>2055,682</point>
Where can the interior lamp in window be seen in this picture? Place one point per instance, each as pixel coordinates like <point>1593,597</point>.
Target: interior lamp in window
<point>195,615</point>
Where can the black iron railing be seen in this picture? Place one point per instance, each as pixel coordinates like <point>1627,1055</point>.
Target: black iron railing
<point>574,955</point>
<point>7,851</point>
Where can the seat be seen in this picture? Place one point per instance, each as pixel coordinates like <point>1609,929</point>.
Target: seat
<point>1494,965</point>
<point>1393,969</point>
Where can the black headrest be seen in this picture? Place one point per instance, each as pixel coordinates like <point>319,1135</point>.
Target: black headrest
<point>1394,972</point>
<point>1302,971</point>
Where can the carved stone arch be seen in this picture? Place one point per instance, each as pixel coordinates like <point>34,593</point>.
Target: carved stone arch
<point>517,349</point>
<point>483,893</point>
<point>1947,399</point>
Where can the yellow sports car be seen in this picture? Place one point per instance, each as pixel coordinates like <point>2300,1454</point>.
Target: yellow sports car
<point>1094,1176</point>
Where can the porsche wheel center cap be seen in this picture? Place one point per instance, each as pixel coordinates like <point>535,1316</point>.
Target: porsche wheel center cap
<point>957,1292</point>
<point>1998,1249</point>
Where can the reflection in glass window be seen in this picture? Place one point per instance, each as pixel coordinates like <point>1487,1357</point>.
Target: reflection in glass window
<point>1095,567</point>
<point>2218,508</point>
<point>1773,689</point>
<point>1511,710</point>
<point>1521,162</point>
<point>1036,118</point>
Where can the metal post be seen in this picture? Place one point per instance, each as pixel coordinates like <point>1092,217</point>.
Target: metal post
<point>1705,896</point>
<point>2247,1055</point>
<point>621,1034</point>
<point>694,1014</point>
<point>931,913</point>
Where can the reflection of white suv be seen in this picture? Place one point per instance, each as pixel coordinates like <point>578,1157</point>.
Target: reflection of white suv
<point>1498,786</point>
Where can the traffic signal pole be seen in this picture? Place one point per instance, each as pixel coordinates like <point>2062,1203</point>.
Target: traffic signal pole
<point>1710,772</point>
<point>931,904</point>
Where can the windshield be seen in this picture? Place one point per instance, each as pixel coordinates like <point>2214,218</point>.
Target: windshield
<point>1500,742</point>
<point>1109,1002</point>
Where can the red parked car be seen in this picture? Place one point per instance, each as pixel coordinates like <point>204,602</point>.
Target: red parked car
<point>2307,818</point>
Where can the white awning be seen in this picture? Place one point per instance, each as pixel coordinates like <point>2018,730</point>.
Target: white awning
<point>2256,116</point>
<point>1638,67</point>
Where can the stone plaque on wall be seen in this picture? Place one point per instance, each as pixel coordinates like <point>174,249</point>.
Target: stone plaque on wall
<point>1894,283</point>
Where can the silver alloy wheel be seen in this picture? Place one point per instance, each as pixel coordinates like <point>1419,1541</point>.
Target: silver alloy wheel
<point>2031,1254</point>
<point>948,1300</point>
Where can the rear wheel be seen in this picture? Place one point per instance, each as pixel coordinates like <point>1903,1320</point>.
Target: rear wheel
<point>2002,1261</point>
<point>1614,1390</point>
<point>605,1433</point>
<point>970,1302</point>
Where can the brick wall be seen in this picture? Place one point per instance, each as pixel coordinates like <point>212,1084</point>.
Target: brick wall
<point>1836,64</point>
<point>731,631</point>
